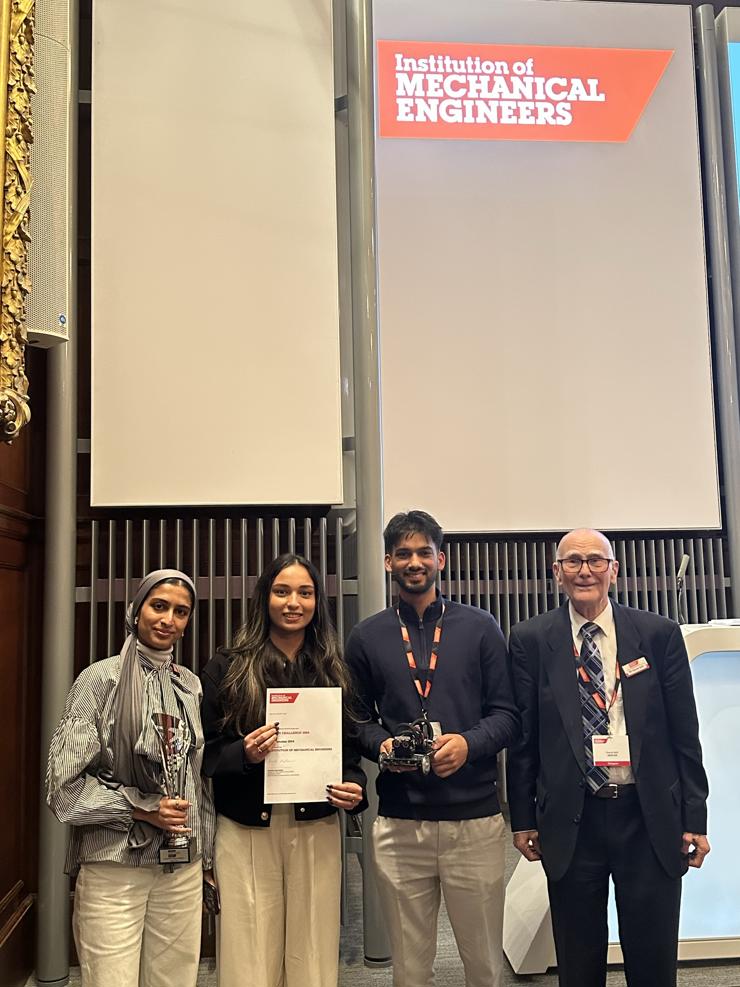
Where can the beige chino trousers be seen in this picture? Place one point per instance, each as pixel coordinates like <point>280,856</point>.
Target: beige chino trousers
<point>416,862</point>
<point>138,926</point>
<point>280,888</point>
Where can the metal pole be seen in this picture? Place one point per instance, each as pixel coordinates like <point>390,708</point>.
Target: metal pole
<point>52,944</point>
<point>52,956</point>
<point>721,287</point>
<point>366,355</point>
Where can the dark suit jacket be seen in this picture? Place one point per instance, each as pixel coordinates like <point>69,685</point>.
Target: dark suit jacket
<point>546,774</point>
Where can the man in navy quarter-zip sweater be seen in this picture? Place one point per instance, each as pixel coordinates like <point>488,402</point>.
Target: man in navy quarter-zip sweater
<point>443,831</point>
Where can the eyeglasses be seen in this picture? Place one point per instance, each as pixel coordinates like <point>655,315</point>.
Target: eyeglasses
<point>574,564</point>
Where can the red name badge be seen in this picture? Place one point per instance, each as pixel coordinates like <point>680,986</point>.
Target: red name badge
<point>635,667</point>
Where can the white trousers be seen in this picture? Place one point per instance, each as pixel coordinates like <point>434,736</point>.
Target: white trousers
<point>279,887</point>
<point>138,926</point>
<point>464,860</point>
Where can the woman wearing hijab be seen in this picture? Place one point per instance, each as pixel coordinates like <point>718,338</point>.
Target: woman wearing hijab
<point>278,867</point>
<point>136,922</point>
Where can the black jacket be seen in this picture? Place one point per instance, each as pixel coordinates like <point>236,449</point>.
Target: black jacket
<point>238,786</point>
<point>471,695</point>
<point>546,772</point>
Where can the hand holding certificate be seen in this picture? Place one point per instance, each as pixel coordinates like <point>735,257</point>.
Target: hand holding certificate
<point>259,743</point>
<point>306,760</point>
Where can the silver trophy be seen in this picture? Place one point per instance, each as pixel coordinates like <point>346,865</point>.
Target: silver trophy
<point>174,741</point>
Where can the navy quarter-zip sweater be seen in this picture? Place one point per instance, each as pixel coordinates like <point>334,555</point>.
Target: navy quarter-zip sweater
<point>471,695</point>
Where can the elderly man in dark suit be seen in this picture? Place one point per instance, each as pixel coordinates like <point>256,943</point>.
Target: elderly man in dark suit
<point>608,778</point>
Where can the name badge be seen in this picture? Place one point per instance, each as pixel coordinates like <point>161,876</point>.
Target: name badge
<point>611,752</point>
<point>436,729</point>
<point>635,667</point>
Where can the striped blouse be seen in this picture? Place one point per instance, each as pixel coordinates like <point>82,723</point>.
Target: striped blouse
<point>101,816</point>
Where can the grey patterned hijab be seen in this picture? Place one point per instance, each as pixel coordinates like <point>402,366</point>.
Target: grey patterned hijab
<point>134,743</point>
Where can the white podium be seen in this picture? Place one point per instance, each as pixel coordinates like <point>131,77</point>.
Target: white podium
<point>710,903</point>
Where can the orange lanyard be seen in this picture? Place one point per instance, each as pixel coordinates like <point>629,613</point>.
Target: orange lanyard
<point>595,694</point>
<point>423,692</point>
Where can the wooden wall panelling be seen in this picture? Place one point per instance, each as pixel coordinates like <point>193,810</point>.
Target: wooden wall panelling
<point>21,609</point>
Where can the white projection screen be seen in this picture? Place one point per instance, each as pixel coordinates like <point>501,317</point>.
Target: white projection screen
<point>215,346</point>
<point>544,329</point>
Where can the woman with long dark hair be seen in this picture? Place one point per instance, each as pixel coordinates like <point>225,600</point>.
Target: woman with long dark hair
<point>136,921</point>
<point>278,867</point>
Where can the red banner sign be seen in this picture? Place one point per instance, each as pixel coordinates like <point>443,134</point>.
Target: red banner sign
<point>513,92</point>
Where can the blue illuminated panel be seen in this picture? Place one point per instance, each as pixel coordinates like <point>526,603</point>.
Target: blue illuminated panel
<point>733,60</point>
<point>710,904</point>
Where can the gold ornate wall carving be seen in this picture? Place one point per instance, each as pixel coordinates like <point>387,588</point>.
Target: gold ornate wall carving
<point>16,80</point>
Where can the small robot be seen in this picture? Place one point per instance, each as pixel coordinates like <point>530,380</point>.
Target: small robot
<point>412,747</point>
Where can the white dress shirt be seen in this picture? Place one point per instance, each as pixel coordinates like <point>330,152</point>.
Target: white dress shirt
<point>606,640</point>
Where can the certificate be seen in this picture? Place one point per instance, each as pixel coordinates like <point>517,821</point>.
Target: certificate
<point>308,753</point>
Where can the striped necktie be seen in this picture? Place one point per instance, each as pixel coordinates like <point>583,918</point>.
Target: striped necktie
<point>594,715</point>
